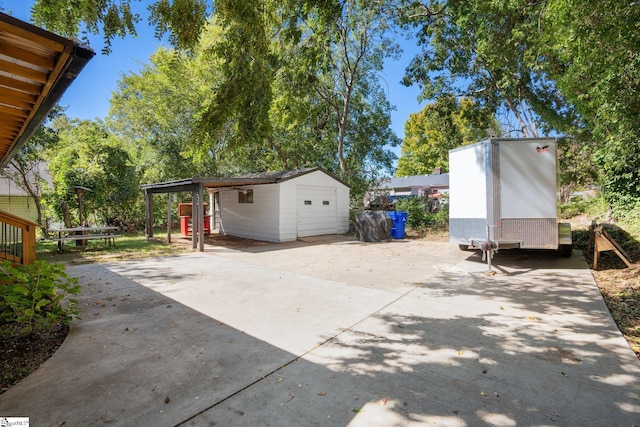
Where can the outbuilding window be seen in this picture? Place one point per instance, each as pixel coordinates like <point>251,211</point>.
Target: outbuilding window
<point>245,196</point>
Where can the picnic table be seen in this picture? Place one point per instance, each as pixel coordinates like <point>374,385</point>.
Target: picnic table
<point>85,233</point>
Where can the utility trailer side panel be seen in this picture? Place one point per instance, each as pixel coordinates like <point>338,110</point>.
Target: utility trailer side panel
<point>504,191</point>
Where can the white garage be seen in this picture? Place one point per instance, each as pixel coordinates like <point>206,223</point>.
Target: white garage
<point>274,206</point>
<point>301,203</point>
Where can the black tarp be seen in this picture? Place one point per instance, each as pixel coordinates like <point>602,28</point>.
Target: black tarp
<point>373,226</point>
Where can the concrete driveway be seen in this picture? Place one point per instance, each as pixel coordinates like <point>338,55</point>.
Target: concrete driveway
<point>337,332</point>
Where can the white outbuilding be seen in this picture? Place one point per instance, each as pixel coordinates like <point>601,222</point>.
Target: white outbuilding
<point>274,206</point>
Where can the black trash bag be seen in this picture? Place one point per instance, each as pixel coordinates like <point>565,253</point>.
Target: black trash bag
<point>373,226</point>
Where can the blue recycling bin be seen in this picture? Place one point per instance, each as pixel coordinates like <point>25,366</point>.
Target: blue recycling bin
<point>399,221</point>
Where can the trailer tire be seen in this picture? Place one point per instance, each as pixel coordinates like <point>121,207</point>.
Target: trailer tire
<point>565,251</point>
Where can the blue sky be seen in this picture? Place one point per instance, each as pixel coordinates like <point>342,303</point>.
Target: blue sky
<point>88,97</point>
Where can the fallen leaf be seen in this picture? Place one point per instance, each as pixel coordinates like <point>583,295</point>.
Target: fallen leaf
<point>483,394</point>
<point>167,400</point>
<point>322,393</point>
<point>383,401</point>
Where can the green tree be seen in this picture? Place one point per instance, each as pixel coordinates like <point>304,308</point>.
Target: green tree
<point>263,55</point>
<point>156,112</point>
<point>26,168</point>
<point>592,51</point>
<point>576,169</point>
<point>486,50</point>
<point>173,110</point>
<point>439,127</point>
<point>182,19</point>
<point>88,156</point>
<point>357,43</point>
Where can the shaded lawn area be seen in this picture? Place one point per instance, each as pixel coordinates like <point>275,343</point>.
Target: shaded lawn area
<point>127,246</point>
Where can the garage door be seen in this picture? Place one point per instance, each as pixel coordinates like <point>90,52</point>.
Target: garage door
<point>316,211</point>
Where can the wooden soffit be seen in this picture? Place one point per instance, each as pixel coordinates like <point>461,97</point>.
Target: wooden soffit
<point>36,67</point>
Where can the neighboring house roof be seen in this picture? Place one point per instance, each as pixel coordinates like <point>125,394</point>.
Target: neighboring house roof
<point>191,184</point>
<point>36,67</point>
<point>432,180</point>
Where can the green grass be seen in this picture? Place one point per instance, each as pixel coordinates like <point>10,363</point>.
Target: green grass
<point>126,247</point>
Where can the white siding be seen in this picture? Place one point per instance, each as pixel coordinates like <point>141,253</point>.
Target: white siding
<point>22,206</point>
<point>257,220</point>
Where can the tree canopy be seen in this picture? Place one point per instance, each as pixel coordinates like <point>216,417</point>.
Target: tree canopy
<point>88,156</point>
<point>557,66</point>
<point>283,69</point>
<point>313,100</point>
<point>438,128</point>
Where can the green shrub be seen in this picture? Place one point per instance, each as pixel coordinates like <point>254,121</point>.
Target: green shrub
<point>594,207</point>
<point>418,215</point>
<point>416,209</point>
<point>36,296</point>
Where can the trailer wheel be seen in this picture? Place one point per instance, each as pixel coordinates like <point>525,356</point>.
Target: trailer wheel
<point>565,251</point>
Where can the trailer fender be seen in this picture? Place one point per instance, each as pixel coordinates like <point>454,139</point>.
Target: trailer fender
<point>565,241</point>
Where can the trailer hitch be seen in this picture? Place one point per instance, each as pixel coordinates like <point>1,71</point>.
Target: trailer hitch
<point>489,248</point>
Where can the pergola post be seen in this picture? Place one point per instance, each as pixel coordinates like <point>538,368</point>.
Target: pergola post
<point>201,217</point>
<point>212,209</point>
<point>168,217</point>
<point>195,220</point>
<point>148,208</point>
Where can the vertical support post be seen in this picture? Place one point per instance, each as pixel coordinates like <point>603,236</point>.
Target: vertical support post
<point>29,244</point>
<point>168,217</point>
<point>148,209</point>
<point>201,217</point>
<point>194,219</point>
<point>212,208</point>
<point>216,208</point>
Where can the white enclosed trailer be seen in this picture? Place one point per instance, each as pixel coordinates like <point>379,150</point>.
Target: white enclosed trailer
<point>503,194</point>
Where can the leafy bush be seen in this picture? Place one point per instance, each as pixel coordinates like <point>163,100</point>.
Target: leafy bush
<point>416,208</point>
<point>595,207</point>
<point>419,216</point>
<point>36,296</point>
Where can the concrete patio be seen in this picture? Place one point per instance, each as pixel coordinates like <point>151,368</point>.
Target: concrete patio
<point>337,332</point>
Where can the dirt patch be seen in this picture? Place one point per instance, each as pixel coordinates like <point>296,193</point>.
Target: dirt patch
<point>619,285</point>
<point>23,353</point>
